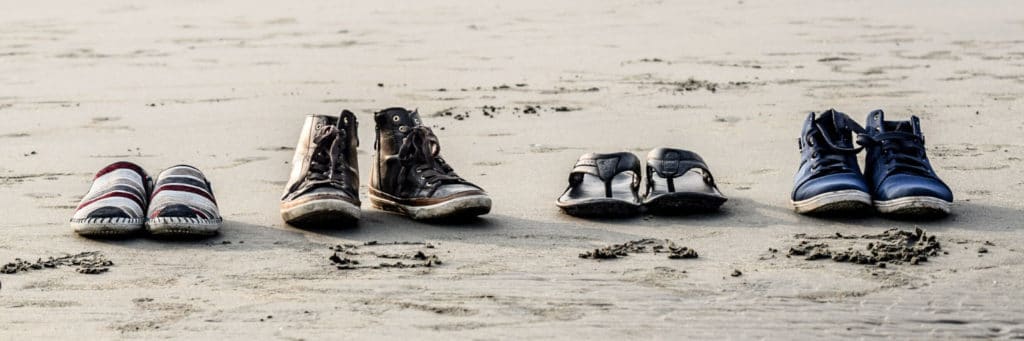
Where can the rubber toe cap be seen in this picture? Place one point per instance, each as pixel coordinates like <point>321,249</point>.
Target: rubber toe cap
<point>905,185</point>
<point>830,183</point>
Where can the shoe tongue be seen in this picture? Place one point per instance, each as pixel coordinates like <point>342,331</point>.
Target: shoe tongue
<point>323,120</point>
<point>834,124</point>
<point>904,127</point>
<point>401,116</point>
<point>395,111</point>
<point>913,126</point>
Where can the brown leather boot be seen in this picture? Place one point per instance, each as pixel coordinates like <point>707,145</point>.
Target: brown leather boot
<point>324,184</point>
<point>409,176</point>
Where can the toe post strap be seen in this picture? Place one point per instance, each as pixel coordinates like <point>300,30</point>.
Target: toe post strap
<point>670,163</point>
<point>605,167</point>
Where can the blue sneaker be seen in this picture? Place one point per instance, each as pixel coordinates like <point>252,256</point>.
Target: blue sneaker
<point>902,180</point>
<point>829,179</point>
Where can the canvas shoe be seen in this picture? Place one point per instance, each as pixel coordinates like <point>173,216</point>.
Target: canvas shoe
<point>324,184</point>
<point>897,168</point>
<point>116,203</point>
<point>409,176</point>
<point>182,204</point>
<point>829,179</point>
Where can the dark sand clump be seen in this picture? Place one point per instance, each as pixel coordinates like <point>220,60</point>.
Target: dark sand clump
<point>892,246</point>
<point>647,245</point>
<point>93,262</point>
<point>344,257</point>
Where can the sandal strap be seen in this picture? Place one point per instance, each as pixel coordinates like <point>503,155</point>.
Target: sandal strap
<point>670,163</point>
<point>606,167</point>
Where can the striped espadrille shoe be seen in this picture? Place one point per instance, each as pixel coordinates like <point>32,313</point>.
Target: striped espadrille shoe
<point>116,202</point>
<point>182,204</point>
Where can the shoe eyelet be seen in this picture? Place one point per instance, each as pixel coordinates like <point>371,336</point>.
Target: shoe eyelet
<point>403,129</point>
<point>395,118</point>
<point>345,120</point>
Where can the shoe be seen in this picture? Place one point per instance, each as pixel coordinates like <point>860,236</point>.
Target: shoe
<point>182,204</point>
<point>829,179</point>
<point>116,202</point>
<point>603,185</point>
<point>324,183</point>
<point>410,177</point>
<point>679,182</point>
<point>902,180</point>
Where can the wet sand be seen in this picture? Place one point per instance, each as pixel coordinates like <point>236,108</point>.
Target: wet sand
<point>529,85</point>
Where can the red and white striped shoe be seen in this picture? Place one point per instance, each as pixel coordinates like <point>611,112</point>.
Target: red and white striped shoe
<point>182,204</point>
<point>116,202</point>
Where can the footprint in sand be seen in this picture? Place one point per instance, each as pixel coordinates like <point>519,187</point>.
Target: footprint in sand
<point>102,123</point>
<point>276,149</point>
<point>14,135</point>
<point>242,161</point>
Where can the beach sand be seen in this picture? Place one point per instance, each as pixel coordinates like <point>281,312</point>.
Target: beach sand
<point>224,85</point>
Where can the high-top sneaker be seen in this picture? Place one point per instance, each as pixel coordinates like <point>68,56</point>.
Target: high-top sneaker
<point>324,184</point>
<point>410,177</point>
<point>829,178</point>
<point>897,168</point>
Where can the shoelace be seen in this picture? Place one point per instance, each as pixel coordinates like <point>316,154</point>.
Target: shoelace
<point>831,157</point>
<point>420,152</point>
<point>324,165</point>
<point>902,152</point>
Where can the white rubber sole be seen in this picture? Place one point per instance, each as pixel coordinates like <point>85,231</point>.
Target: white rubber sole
<point>846,200</point>
<point>321,211</point>
<point>107,226</point>
<point>468,206</point>
<point>914,206</point>
<point>183,226</point>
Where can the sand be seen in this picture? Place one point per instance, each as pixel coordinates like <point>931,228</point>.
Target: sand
<point>224,86</point>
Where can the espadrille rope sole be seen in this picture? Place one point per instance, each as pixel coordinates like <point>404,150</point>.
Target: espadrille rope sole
<point>107,226</point>
<point>183,226</point>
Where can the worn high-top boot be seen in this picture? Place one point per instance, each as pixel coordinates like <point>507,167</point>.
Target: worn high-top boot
<point>324,184</point>
<point>409,176</point>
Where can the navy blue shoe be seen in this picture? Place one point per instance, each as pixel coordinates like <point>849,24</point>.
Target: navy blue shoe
<point>829,179</point>
<point>902,180</point>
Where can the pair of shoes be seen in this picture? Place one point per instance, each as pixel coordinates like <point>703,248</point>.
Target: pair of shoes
<point>408,175</point>
<point>898,178</point>
<point>608,185</point>
<point>123,201</point>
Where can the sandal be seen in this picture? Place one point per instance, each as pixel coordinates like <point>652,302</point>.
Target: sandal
<point>603,185</point>
<point>678,182</point>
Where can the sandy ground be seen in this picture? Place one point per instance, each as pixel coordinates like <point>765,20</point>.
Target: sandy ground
<point>224,85</point>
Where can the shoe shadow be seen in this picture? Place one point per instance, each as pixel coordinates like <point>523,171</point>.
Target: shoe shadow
<point>494,228</point>
<point>232,232</point>
<point>737,212</point>
<point>971,215</point>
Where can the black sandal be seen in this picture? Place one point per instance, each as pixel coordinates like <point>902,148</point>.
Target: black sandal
<point>679,182</point>
<point>603,185</point>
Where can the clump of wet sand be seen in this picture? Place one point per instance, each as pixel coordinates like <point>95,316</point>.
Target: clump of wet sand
<point>345,256</point>
<point>93,262</point>
<point>892,246</point>
<point>647,245</point>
